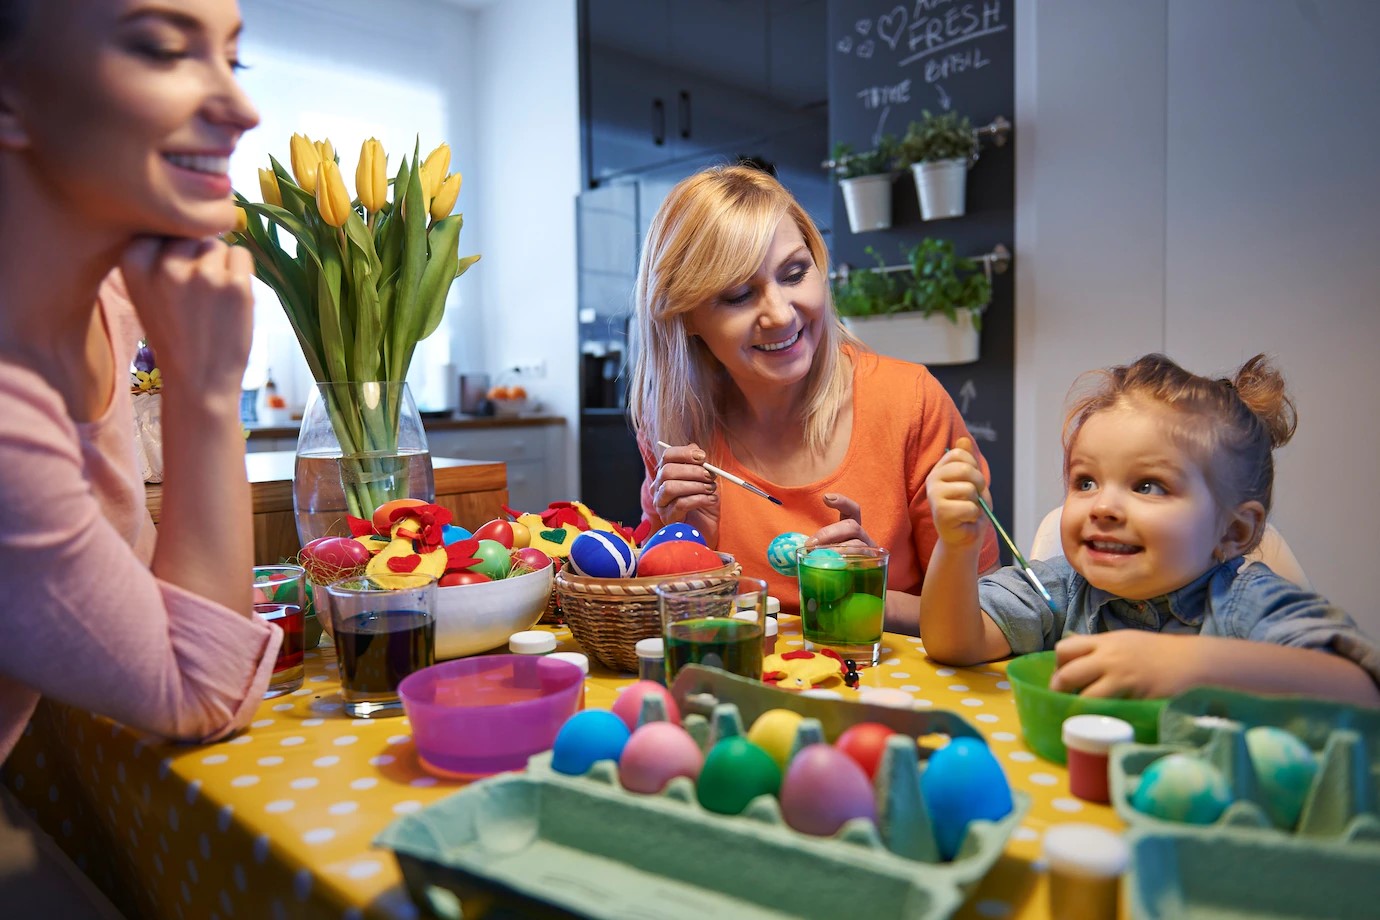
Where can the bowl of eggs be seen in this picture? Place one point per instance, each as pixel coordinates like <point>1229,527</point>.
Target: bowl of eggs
<point>472,618</point>
<point>508,401</point>
<point>1042,711</point>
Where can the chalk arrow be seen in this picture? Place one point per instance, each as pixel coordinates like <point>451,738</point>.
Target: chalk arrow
<point>945,102</point>
<point>966,394</point>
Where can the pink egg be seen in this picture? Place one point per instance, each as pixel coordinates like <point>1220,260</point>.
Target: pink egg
<point>823,789</point>
<point>657,753</point>
<point>629,703</point>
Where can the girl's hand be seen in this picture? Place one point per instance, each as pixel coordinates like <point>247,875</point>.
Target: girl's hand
<point>194,301</point>
<point>953,487</point>
<point>849,528</point>
<point>1127,663</point>
<point>684,490</point>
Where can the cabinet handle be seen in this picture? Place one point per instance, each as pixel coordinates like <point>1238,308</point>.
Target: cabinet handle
<point>658,122</point>
<point>684,115</point>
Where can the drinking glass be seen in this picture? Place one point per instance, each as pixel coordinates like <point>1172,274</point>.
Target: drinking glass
<point>384,628</point>
<point>718,626</point>
<point>843,600</point>
<point>279,598</point>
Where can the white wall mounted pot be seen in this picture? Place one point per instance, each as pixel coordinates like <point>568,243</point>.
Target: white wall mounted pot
<point>933,339</point>
<point>868,201</point>
<point>941,185</point>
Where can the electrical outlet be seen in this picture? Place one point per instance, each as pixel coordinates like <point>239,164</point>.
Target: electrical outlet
<point>532,370</point>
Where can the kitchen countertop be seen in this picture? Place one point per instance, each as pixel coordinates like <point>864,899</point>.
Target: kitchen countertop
<point>445,423</point>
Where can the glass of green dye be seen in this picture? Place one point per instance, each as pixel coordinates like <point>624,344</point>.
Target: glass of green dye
<point>718,626</point>
<point>843,600</point>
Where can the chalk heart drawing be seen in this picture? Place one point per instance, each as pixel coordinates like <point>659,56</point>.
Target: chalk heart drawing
<point>862,26</point>
<point>890,26</point>
<point>865,48</point>
<point>845,44</point>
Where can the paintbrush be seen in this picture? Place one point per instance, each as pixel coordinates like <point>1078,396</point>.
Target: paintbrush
<point>736,480</point>
<point>1020,560</point>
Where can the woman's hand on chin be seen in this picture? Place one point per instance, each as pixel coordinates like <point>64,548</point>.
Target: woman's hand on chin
<point>193,298</point>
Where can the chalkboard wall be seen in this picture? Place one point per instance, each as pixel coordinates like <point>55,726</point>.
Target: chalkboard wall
<point>887,63</point>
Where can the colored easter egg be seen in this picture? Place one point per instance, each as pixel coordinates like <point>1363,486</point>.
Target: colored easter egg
<point>463,577</point>
<point>531,557</point>
<point>1285,768</point>
<point>677,531</point>
<point>383,513</point>
<point>601,555</point>
<point>963,783</point>
<point>1180,787</point>
<point>497,529</point>
<point>327,559</point>
<point>823,580</point>
<point>628,706</point>
<point>735,772</point>
<point>494,560</point>
<point>657,753</point>
<point>864,743</point>
<point>451,533</point>
<point>677,557</point>
<point>522,535</point>
<point>588,736</point>
<point>781,552</point>
<point>858,618</point>
<point>823,789</point>
<point>774,732</point>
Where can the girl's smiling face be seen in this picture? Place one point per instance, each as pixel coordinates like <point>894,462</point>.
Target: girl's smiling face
<point>127,111</point>
<point>765,330</point>
<point>1139,520</point>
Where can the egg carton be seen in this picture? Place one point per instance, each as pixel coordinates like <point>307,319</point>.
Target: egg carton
<point>584,846</point>
<point>1326,866</point>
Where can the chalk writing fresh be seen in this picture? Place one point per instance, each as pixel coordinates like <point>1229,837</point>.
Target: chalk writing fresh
<point>932,30</point>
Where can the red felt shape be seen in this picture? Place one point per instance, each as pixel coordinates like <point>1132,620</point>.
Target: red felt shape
<point>460,555</point>
<point>404,563</point>
<point>359,527</point>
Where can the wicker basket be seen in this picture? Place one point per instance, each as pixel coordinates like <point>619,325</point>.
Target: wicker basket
<point>551,616</point>
<point>608,616</point>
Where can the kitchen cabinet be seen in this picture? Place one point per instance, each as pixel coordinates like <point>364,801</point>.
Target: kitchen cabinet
<point>532,453</point>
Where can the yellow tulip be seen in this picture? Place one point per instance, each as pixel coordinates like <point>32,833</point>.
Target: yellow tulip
<point>371,177</point>
<point>268,187</point>
<point>331,198</point>
<point>324,150</point>
<point>241,220</point>
<point>434,169</point>
<point>444,201</point>
<point>306,161</point>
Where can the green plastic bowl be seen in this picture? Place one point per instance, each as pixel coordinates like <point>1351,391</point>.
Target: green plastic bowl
<point>1042,711</point>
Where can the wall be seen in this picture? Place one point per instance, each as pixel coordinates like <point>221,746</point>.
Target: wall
<point>1193,176</point>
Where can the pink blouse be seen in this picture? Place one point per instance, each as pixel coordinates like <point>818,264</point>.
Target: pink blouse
<point>82,618</point>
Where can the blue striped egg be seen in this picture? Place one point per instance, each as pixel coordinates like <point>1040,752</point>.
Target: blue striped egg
<point>781,552</point>
<point>599,554</point>
<point>677,531</point>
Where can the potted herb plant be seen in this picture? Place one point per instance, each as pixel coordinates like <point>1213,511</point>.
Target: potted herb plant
<point>929,312</point>
<point>939,149</point>
<point>865,179</point>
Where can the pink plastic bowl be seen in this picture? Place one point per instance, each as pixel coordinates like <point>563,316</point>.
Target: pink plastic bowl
<point>477,716</point>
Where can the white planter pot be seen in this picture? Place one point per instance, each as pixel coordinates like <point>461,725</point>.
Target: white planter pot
<point>940,185</point>
<point>868,200</point>
<point>931,339</point>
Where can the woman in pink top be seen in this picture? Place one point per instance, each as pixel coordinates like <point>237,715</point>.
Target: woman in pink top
<point>117,118</point>
<point>744,363</point>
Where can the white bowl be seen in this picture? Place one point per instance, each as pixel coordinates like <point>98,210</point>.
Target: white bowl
<point>476,618</point>
<point>509,408</point>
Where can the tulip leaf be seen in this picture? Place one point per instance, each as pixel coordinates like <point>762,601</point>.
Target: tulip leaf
<point>462,265</point>
<point>440,272</point>
<point>412,204</point>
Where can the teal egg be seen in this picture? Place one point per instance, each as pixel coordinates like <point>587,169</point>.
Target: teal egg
<point>962,783</point>
<point>781,552</point>
<point>1285,768</point>
<point>589,736</point>
<point>1182,788</point>
<point>823,579</point>
<point>735,772</point>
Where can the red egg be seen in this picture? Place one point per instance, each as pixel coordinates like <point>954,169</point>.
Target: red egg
<point>380,520</point>
<point>329,558</point>
<point>865,743</point>
<point>531,557</point>
<point>677,557</point>
<point>463,577</point>
<point>499,530</point>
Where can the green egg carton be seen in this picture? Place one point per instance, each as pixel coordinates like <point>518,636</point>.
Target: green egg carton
<point>584,846</point>
<point>1326,866</point>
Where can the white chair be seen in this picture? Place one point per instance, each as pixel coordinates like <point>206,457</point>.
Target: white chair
<point>1272,551</point>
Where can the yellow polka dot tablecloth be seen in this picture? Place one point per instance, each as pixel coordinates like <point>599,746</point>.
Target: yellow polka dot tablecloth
<point>278,821</point>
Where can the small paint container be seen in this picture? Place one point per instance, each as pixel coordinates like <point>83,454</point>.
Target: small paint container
<point>1089,739</point>
<point>769,630</point>
<point>581,661</point>
<point>531,642</point>
<point>1085,866</point>
<point>651,660</point>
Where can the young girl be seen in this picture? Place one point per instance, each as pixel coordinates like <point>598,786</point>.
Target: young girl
<point>1169,478</point>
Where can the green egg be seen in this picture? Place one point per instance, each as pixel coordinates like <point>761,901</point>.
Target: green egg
<point>494,560</point>
<point>735,772</point>
<point>823,579</point>
<point>859,617</point>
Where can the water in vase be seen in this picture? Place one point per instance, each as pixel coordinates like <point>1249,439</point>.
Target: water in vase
<point>328,488</point>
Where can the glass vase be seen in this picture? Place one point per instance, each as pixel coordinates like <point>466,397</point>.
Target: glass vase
<point>360,445</point>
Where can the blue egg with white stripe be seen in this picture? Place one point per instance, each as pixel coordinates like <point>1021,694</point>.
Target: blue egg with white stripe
<point>677,531</point>
<point>599,554</point>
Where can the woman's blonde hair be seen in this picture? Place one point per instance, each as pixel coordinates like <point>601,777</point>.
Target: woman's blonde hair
<point>1230,425</point>
<point>710,234</point>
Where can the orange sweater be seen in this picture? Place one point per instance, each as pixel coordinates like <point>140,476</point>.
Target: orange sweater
<point>903,421</point>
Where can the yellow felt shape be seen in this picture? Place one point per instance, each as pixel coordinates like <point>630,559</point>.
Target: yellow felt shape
<point>799,670</point>
<point>372,542</point>
<point>432,562</point>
